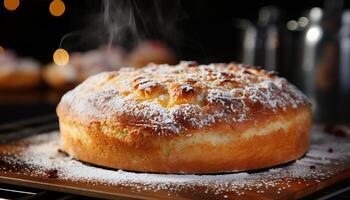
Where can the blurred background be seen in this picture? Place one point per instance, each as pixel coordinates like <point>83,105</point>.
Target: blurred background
<point>49,46</point>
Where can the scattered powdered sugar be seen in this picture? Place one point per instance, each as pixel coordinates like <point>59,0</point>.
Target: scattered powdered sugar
<point>232,89</point>
<point>318,164</point>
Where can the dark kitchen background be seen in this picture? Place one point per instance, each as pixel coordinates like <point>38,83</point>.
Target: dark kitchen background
<point>309,46</point>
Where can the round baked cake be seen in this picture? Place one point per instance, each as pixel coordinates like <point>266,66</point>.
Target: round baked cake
<point>186,118</point>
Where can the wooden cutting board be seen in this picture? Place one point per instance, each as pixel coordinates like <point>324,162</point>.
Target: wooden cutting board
<point>35,161</point>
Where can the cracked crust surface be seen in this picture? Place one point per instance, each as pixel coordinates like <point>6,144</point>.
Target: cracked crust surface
<point>186,118</point>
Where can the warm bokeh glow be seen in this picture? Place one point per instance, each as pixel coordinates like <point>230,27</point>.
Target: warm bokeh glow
<point>11,4</point>
<point>61,57</point>
<point>2,50</point>
<point>57,8</point>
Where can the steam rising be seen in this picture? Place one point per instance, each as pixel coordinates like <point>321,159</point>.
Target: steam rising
<point>119,21</point>
<point>126,22</point>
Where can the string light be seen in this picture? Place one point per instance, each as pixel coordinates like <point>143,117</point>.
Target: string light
<point>57,8</point>
<point>61,57</point>
<point>11,5</point>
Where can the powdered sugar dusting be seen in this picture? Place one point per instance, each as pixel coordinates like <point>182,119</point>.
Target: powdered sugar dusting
<point>152,95</point>
<point>318,164</point>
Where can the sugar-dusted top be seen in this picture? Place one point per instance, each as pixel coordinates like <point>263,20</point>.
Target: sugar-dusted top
<point>166,99</point>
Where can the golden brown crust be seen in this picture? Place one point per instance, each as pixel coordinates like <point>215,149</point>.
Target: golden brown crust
<point>202,152</point>
<point>185,118</point>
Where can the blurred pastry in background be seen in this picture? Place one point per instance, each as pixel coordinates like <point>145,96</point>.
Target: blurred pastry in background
<point>151,51</point>
<point>81,66</point>
<point>18,73</point>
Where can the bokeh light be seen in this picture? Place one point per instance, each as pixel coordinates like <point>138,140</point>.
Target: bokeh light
<point>57,8</point>
<point>292,25</point>
<point>61,57</point>
<point>2,49</point>
<point>303,22</point>
<point>11,4</point>
<point>313,34</point>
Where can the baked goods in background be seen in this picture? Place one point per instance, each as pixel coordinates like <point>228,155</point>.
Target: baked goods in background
<point>83,65</point>
<point>185,119</point>
<point>18,73</point>
<point>151,51</point>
